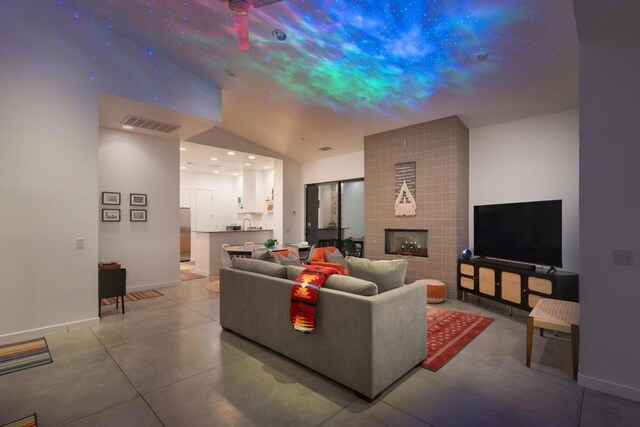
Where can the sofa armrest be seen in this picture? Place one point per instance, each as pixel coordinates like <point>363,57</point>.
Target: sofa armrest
<point>399,322</point>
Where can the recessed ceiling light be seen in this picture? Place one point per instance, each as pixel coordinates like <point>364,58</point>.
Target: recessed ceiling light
<point>127,127</point>
<point>279,35</point>
<point>247,164</point>
<point>231,153</point>
<point>216,171</point>
<point>182,167</point>
<point>183,149</point>
<point>252,157</point>
<point>214,159</point>
<point>266,167</point>
<point>236,174</point>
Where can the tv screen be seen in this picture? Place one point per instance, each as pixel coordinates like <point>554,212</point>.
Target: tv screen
<point>529,232</point>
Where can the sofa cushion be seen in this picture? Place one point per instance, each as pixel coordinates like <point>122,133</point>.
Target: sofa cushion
<point>264,254</point>
<point>351,285</point>
<point>386,275</point>
<point>293,271</point>
<point>261,267</point>
<point>290,259</point>
<point>335,257</point>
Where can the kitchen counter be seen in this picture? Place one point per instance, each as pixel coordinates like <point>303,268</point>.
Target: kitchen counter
<point>208,244</point>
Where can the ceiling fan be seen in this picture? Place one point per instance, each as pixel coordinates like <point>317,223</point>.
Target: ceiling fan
<point>240,9</point>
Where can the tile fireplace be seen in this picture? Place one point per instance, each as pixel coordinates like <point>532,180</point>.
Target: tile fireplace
<point>406,242</point>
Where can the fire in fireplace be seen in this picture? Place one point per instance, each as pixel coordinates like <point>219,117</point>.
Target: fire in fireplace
<point>405,242</point>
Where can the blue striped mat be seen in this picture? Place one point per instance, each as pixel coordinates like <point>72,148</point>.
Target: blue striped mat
<point>24,355</point>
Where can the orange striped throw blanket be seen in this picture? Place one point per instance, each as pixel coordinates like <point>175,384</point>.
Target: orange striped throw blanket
<point>304,296</point>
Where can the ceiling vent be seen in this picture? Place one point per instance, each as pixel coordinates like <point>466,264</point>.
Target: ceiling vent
<point>327,148</point>
<point>142,123</point>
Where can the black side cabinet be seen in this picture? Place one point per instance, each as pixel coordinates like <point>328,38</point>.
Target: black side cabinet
<point>516,287</point>
<point>112,284</point>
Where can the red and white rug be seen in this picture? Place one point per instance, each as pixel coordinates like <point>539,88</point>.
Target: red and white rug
<point>448,332</point>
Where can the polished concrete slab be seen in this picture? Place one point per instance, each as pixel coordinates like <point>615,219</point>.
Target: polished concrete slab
<point>168,362</point>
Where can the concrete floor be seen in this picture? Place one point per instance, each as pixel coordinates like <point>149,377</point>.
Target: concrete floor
<point>168,362</point>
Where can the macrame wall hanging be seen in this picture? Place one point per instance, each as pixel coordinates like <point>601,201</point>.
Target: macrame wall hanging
<point>405,184</point>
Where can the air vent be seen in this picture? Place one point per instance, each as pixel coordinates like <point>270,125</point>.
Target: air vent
<point>327,148</point>
<point>142,123</point>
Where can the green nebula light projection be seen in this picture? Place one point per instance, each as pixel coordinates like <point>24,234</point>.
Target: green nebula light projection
<point>357,56</point>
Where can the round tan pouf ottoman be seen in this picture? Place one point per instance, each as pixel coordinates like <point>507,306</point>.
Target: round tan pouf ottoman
<point>436,291</point>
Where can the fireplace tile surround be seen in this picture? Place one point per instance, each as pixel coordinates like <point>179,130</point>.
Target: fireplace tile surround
<point>441,152</point>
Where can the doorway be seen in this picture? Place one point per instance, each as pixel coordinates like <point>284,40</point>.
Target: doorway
<point>334,215</point>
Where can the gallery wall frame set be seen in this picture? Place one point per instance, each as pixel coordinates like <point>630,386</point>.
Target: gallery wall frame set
<point>112,198</point>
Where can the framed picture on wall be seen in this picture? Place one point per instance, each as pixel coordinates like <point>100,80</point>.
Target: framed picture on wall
<point>137,199</point>
<point>138,215</point>
<point>111,215</point>
<point>110,198</point>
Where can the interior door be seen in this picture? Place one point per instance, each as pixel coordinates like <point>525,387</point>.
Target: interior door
<point>311,218</point>
<point>204,211</point>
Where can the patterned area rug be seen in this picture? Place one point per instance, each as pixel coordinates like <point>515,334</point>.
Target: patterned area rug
<point>448,332</point>
<point>190,276</point>
<point>133,296</point>
<point>30,421</point>
<point>24,355</point>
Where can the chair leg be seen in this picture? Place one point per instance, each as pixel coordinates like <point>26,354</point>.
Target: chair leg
<point>575,349</point>
<point>122,303</point>
<point>529,339</point>
<point>99,308</point>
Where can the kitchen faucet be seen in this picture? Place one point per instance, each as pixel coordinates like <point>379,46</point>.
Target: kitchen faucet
<point>246,219</point>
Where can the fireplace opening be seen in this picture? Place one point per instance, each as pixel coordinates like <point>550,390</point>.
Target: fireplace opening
<point>405,242</point>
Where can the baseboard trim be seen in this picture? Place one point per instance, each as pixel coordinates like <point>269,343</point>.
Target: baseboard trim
<point>139,288</point>
<point>47,330</point>
<point>609,387</point>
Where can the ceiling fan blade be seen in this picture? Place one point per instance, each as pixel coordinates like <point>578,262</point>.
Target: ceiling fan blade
<point>241,25</point>
<point>262,3</point>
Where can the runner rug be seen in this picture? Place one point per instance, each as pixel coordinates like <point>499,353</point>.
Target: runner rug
<point>185,275</point>
<point>24,355</point>
<point>448,332</point>
<point>30,421</point>
<point>133,296</point>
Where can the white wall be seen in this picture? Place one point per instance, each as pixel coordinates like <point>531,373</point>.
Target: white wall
<point>610,206</point>
<point>131,163</point>
<point>226,190</point>
<point>528,160</point>
<point>346,166</point>
<point>53,67</point>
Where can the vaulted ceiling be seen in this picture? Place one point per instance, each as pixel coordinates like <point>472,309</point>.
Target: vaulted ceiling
<point>353,68</point>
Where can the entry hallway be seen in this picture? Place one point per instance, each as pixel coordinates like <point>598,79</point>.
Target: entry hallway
<point>168,362</point>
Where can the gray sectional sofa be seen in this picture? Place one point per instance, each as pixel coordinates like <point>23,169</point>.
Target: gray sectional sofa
<point>363,339</point>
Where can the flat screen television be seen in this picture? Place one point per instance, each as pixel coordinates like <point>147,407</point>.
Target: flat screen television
<point>529,232</point>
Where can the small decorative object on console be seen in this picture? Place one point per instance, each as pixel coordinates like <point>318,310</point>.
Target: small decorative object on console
<point>269,243</point>
<point>466,254</point>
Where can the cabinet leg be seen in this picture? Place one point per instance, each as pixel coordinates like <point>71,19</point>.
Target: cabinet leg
<point>529,339</point>
<point>542,332</point>
<point>575,348</point>
<point>464,299</point>
<point>122,303</point>
<point>510,311</point>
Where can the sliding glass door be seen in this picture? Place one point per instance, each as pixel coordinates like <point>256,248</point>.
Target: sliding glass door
<point>335,215</point>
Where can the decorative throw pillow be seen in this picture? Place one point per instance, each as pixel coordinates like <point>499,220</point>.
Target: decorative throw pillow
<point>351,285</point>
<point>290,259</point>
<point>293,271</point>
<point>263,254</point>
<point>386,275</point>
<point>335,257</point>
